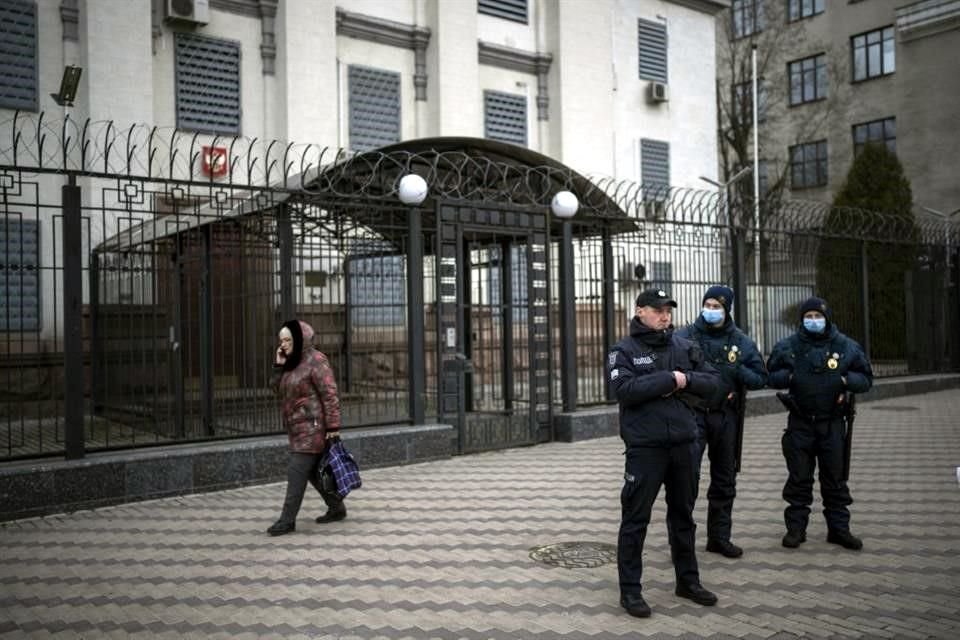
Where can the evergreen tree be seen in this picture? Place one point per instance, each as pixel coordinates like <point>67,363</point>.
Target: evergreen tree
<point>876,196</point>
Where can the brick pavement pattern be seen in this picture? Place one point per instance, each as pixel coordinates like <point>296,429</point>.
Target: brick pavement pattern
<point>442,550</point>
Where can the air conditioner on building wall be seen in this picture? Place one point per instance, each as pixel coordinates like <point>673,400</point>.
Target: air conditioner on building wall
<point>188,11</point>
<point>658,92</point>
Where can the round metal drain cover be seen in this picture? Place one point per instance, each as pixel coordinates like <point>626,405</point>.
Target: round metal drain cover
<point>575,555</point>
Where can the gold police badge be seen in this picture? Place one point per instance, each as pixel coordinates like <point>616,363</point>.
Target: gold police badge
<point>732,354</point>
<point>832,362</point>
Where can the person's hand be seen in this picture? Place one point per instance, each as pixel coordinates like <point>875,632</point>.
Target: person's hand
<point>680,378</point>
<point>281,357</point>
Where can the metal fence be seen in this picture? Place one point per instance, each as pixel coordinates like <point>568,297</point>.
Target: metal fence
<point>144,274</point>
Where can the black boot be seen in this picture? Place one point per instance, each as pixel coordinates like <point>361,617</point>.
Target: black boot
<point>333,514</point>
<point>794,537</point>
<point>635,605</point>
<point>725,548</point>
<point>695,591</point>
<point>845,539</point>
<point>281,527</point>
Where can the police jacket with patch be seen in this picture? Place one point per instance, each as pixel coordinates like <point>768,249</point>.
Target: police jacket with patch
<point>817,368</point>
<point>653,412</point>
<point>732,353</point>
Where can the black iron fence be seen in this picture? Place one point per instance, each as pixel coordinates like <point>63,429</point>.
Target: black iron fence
<point>140,290</point>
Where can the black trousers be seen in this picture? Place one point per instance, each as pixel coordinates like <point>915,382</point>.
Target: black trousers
<point>301,469</point>
<point>806,445</point>
<point>647,468</point>
<point>718,435</point>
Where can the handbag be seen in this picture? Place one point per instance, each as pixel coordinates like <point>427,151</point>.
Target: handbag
<point>343,468</point>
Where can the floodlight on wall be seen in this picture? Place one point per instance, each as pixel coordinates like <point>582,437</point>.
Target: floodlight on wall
<point>564,205</point>
<point>412,189</point>
<point>68,86</point>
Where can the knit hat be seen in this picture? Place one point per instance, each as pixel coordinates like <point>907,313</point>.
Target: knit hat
<point>720,293</point>
<point>814,303</point>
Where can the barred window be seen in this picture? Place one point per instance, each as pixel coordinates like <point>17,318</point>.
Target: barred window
<point>19,274</point>
<point>505,117</point>
<point>747,16</point>
<point>18,55</point>
<point>808,165</point>
<point>208,84</point>
<point>808,79</point>
<point>515,10</point>
<point>799,9</point>
<point>874,54</point>
<point>652,50</point>
<point>655,166</point>
<point>877,131</point>
<point>374,107</point>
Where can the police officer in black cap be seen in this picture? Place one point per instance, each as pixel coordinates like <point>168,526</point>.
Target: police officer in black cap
<point>654,373</point>
<point>720,416</point>
<point>820,366</point>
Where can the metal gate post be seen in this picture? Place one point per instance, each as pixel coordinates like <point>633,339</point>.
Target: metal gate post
<point>568,321</point>
<point>206,332</point>
<point>740,310</point>
<point>416,339</point>
<point>865,296</point>
<point>285,241</point>
<point>72,247</point>
<point>608,301</point>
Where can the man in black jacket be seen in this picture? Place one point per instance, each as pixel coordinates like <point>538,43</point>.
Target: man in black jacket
<point>735,356</point>
<point>654,373</point>
<point>820,366</point>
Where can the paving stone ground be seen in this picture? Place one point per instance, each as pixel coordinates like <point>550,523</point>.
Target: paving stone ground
<point>442,550</point>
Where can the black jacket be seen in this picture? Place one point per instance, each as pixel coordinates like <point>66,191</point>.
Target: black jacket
<point>653,413</point>
<point>732,353</point>
<point>817,368</point>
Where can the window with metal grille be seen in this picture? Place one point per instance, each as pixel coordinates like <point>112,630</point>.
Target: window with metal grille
<point>18,55</point>
<point>655,166</point>
<point>377,291</point>
<point>874,54</point>
<point>661,275</point>
<point>515,10</point>
<point>808,165</point>
<point>877,131</point>
<point>19,274</point>
<point>208,84</point>
<point>747,17</point>
<point>799,9</point>
<point>808,79</point>
<point>652,47</point>
<point>505,117</point>
<point>374,107</point>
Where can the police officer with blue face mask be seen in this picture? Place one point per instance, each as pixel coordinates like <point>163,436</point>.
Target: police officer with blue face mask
<point>720,416</point>
<point>820,366</point>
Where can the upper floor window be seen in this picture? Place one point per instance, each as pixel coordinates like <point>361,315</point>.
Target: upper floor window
<point>799,9</point>
<point>18,55</point>
<point>505,117</point>
<point>808,165</point>
<point>743,101</point>
<point>19,274</point>
<point>374,107</point>
<point>873,54</point>
<point>808,79</point>
<point>208,84</point>
<point>515,10</point>
<point>652,48</point>
<point>747,16</point>
<point>877,131</point>
<point>655,175</point>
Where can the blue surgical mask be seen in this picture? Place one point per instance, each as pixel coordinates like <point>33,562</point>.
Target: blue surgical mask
<point>815,325</point>
<point>712,316</point>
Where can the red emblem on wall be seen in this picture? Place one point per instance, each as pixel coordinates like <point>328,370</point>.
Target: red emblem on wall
<point>214,161</point>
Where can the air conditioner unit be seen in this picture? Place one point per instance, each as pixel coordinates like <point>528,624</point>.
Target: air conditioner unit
<point>188,11</point>
<point>657,92</point>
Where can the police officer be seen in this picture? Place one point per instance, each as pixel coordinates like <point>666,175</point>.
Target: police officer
<point>820,366</point>
<point>654,373</point>
<point>720,417</point>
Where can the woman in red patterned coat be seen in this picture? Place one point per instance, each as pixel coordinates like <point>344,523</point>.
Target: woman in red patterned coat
<point>304,383</point>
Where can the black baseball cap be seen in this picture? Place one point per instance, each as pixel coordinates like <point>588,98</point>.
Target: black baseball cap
<point>655,298</point>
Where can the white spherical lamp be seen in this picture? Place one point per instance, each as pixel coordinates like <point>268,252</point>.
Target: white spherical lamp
<point>412,189</point>
<point>564,205</point>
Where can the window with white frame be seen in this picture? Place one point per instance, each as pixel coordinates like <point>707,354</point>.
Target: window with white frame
<point>374,107</point>
<point>874,54</point>
<point>18,55</point>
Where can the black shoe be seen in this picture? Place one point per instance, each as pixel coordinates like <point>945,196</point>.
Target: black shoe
<point>697,593</point>
<point>724,547</point>
<point>794,537</point>
<point>635,605</point>
<point>845,539</point>
<point>332,515</point>
<point>281,527</point>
